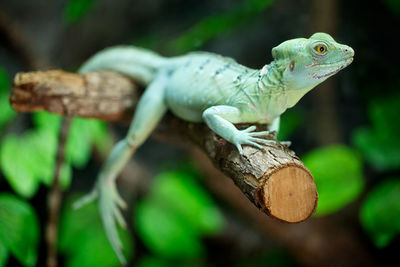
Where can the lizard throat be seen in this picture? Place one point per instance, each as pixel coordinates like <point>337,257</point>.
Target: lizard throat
<point>270,77</point>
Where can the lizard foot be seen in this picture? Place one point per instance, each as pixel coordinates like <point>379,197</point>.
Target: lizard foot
<point>248,136</point>
<point>109,203</point>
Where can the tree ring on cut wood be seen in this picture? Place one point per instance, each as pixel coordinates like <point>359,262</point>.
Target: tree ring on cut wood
<point>288,193</point>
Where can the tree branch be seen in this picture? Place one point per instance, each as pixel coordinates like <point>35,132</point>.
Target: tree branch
<point>54,198</point>
<point>274,180</point>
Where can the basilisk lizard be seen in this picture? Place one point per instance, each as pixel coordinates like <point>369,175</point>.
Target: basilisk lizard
<point>205,87</point>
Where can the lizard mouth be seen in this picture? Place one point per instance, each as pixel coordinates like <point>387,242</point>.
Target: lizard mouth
<point>333,68</point>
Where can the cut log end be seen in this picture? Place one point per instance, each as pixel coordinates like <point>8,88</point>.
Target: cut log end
<point>289,194</point>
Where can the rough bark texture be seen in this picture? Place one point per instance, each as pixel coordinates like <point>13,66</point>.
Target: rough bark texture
<point>103,95</point>
<point>275,180</point>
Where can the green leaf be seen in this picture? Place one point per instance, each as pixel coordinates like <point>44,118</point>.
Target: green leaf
<point>83,239</point>
<point>41,148</point>
<point>337,171</point>
<point>180,193</point>
<point>5,82</point>
<point>187,213</point>
<point>19,229</point>
<point>380,212</point>
<point>48,121</point>
<point>3,255</point>
<point>28,160</point>
<point>76,10</point>
<point>166,233</point>
<point>79,143</point>
<point>100,135</point>
<point>290,121</point>
<point>65,175</point>
<point>84,133</point>
<point>14,164</point>
<point>379,143</point>
<point>6,112</point>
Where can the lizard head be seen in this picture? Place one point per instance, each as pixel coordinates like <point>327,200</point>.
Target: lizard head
<point>305,63</point>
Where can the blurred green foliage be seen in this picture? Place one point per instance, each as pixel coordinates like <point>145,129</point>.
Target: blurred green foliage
<point>380,212</point>
<point>175,215</point>
<point>337,171</point>
<point>290,122</point>
<point>29,159</point>
<point>215,25</point>
<point>206,28</point>
<point>6,112</point>
<point>380,146</point>
<point>3,255</point>
<point>19,230</point>
<point>152,261</point>
<point>380,143</point>
<point>75,10</point>
<point>82,238</point>
<point>393,5</point>
<point>271,257</point>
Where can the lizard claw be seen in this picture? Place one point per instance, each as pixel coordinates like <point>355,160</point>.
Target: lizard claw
<point>248,136</point>
<point>86,199</point>
<point>110,203</point>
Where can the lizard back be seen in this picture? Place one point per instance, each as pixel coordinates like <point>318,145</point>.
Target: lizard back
<point>200,80</point>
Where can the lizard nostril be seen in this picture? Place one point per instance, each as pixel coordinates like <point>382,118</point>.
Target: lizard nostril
<point>348,51</point>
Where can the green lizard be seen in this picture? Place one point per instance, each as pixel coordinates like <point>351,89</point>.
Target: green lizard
<point>205,87</point>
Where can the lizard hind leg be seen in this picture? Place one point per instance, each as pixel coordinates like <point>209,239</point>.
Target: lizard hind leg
<point>150,109</point>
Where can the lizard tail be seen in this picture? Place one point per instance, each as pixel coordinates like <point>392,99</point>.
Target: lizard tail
<point>138,63</point>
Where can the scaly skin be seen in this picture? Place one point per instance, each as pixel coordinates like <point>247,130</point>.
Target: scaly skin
<point>204,87</point>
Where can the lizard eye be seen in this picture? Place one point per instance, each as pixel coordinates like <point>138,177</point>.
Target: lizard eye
<point>321,49</point>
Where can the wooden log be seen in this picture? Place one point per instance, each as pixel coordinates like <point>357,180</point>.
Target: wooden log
<point>103,95</point>
<point>273,179</point>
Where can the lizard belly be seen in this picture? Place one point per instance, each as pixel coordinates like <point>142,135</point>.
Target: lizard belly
<point>184,103</point>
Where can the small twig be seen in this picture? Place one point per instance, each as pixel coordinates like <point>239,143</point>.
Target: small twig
<point>54,198</point>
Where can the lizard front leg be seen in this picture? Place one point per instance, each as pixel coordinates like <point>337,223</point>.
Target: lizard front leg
<point>150,109</point>
<point>220,119</point>
<point>274,127</point>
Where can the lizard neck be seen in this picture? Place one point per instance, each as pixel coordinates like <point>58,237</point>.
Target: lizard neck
<point>270,77</point>
<point>271,82</point>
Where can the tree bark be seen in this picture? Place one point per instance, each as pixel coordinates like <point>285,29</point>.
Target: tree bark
<point>273,179</point>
